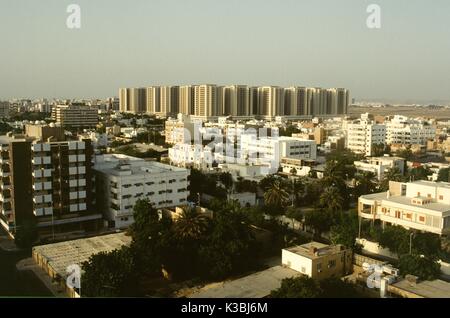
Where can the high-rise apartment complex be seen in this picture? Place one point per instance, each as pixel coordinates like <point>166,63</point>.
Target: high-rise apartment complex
<point>211,101</point>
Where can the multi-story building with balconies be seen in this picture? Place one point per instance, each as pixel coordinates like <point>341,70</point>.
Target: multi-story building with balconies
<point>122,180</point>
<point>49,179</point>
<point>420,205</point>
<point>363,134</point>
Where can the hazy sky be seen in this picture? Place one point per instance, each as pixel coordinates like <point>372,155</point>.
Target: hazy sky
<point>280,42</point>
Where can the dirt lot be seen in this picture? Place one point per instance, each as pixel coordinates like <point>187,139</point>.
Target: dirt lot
<point>441,114</point>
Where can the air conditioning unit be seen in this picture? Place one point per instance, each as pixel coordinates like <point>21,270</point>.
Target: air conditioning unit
<point>391,271</point>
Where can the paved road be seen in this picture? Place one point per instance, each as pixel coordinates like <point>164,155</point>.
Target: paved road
<point>14,283</point>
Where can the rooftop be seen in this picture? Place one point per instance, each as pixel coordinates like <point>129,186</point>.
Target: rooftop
<point>61,255</point>
<point>115,164</point>
<point>314,250</point>
<point>427,289</point>
<point>257,285</point>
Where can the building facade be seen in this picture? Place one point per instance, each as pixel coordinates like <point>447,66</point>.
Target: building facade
<point>419,205</point>
<point>211,101</point>
<point>363,134</point>
<point>122,180</point>
<point>75,116</point>
<point>48,180</point>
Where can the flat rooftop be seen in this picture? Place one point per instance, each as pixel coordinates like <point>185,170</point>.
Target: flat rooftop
<point>257,285</point>
<point>438,207</point>
<point>61,255</point>
<point>306,250</point>
<point>404,200</point>
<point>118,164</point>
<point>427,289</point>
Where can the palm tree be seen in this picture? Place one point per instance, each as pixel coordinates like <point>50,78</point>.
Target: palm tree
<point>331,198</point>
<point>276,194</point>
<point>365,183</point>
<point>191,225</point>
<point>393,174</point>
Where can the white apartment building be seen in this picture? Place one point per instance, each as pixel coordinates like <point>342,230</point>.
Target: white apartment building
<point>405,131</point>
<point>363,133</point>
<point>270,150</point>
<point>180,130</point>
<point>380,165</point>
<point>187,155</point>
<point>419,205</point>
<point>122,180</point>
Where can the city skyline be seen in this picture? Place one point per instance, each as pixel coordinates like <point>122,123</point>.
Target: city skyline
<point>232,42</point>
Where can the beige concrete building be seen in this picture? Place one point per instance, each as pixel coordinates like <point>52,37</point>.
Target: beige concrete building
<point>419,205</point>
<point>319,261</point>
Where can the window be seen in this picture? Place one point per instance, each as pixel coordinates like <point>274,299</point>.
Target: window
<point>418,194</point>
<point>331,263</point>
<point>441,197</point>
<point>319,267</point>
<point>409,216</point>
<point>429,196</point>
<point>398,214</point>
<point>422,219</point>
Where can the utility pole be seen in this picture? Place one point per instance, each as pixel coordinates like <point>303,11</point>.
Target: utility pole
<point>410,242</point>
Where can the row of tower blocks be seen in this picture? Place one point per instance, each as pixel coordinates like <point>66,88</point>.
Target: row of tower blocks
<point>210,101</point>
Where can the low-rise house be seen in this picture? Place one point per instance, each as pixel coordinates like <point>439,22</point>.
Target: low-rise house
<point>319,261</point>
<point>380,165</point>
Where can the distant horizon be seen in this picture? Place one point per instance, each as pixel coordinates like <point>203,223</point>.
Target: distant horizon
<point>320,43</point>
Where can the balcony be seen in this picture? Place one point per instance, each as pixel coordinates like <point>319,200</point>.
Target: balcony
<point>73,158</point>
<point>73,171</point>
<point>39,212</point>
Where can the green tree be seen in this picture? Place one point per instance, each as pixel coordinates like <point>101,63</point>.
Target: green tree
<point>444,175</point>
<point>226,179</point>
<point>345,231</point>
<point>319,220</point>
<point>395,238</point>
<point>191,225</point>
<point>406,154</point>
<point>419,173</point>
<point>365,183</point>
<point>295,214</point>
<point>277,195</point>
<point>305,287</point>
<point>332,199</point>
<point>393,174</point>
<point>229,248</point>
<point>379,150</point>
<point>423,267</point>
<point>148,232</point>
<point>299,287</point>
<point>110,274</point>
<point>428,244</point>
<point>338,288</point>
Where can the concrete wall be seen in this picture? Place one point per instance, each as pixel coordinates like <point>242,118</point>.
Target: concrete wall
<point>375,248</point>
